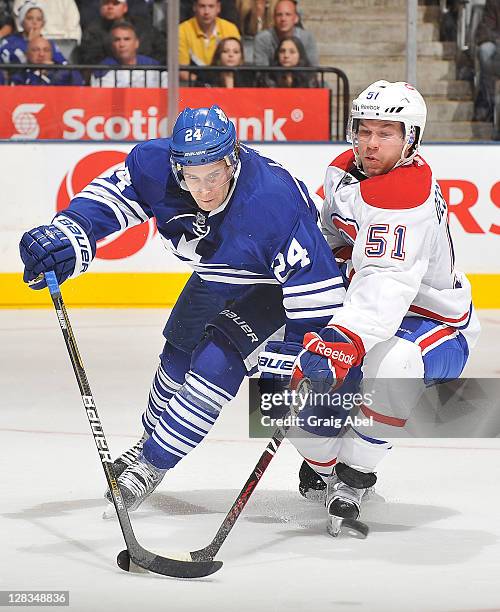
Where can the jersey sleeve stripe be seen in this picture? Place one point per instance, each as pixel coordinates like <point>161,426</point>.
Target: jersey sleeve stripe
<point>115,196</point>
<point>132,204</point>
<point>105,195</point>
<point>313,300</point>
<point>228,271</point>
<point>333,283</point>
<point>312,314</point>
<point>237,281</point>
<point>311,308</point>
<point>119,214</point>
<point>301,190</point>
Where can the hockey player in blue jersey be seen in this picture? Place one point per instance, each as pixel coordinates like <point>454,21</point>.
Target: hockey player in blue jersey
<point>261,270</point>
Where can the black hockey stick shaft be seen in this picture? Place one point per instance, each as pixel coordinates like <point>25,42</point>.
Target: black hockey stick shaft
<point>139,555</point>
<point>209,552</point>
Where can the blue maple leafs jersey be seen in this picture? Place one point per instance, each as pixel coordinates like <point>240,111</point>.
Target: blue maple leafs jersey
<point>264,232</point>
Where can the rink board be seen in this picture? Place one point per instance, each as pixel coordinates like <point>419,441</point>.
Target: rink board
<point>134,269</point>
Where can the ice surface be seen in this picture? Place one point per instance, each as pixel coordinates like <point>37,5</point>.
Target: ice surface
<point>434,541</point>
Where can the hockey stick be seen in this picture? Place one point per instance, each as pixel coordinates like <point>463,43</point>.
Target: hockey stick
<point>354,527</point>
<point>177,568</point>
<point>208,553</point>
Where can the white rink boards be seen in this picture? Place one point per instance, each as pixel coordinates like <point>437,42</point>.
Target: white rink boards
<point>134,269</point>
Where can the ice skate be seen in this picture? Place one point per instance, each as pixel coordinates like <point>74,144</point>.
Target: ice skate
<point>137,483</point>
<point>345,490</point>
<point>342,502</point>
<point>120,464</point>
<point>131,455</point>
<point>311,485</point>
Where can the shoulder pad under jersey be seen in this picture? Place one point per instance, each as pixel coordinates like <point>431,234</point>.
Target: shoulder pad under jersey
<point>402,188</point>
<point>149,167</point>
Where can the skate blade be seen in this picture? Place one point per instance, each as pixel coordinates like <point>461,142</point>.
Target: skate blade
<point>334,525</point>
<point>352,527</point>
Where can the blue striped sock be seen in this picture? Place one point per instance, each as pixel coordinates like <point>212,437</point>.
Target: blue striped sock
<point>168,379</point>
<point>162,389</point>
<point>212,382</point>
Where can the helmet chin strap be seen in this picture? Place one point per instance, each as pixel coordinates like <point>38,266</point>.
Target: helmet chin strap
<point>404,160</point>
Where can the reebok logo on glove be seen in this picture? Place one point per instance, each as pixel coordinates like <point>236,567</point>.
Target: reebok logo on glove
<point>331,350</point>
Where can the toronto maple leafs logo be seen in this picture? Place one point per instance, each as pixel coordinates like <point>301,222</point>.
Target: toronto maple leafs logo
<point>200,227</point>
<point>221,114</point>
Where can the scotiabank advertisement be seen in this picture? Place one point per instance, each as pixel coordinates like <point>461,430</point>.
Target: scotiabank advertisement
<point>38,179</point>
<point>40,113</point>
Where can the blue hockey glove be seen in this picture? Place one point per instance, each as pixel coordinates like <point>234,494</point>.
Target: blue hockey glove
<point>275,366</point>
<point>276,362</point>
<point>66,246</point>
<point>327,358</point>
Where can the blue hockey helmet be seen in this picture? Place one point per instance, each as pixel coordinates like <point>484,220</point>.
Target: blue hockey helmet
<point>202,136</point>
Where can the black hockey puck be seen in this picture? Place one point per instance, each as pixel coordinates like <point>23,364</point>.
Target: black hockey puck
<point>123,560</point>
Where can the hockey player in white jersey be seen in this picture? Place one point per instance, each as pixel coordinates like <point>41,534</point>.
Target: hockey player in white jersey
<point>261,269</point>
<point>408,312</point>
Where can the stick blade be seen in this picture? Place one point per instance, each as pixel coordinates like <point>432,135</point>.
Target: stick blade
<point>166,566</point>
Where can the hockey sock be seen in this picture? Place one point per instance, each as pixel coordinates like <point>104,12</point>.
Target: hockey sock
<point>168,379</point>
<point>216,373</point>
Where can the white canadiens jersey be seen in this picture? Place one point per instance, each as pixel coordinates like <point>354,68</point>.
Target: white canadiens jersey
<point>402,252</point>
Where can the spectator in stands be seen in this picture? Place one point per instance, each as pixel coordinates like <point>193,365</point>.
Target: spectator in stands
<point>199,36</point>
<point>62,22</point>
<point>5,7</point>
<point>488,41</point>
<point>40,52</point>
<point>228,10</point>
<point>229,52</point>
<point>7,25</point>
<point>31,20</point>
<point>448,19</point>
<point>255,16</point>
<point>96,42</point>
<point>286,19</point>
<point>290,54</point>
<point>89,10</point>
<point>124,46</point>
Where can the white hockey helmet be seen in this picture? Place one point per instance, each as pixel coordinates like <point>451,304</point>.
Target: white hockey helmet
<point>393,102</point>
